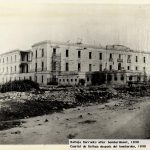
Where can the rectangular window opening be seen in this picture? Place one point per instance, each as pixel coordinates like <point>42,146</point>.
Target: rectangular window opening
<point>90,55</point>
<point>67,67</point>
<point>67,53</point>
<point>100,56</point>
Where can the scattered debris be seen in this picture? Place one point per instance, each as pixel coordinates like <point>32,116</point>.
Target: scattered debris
<point>16,132</point>
<point>80,116</point>
<point>4,125</point>
<point>87,122</point>
<point>71,136</point>
<point>89,113</point>
<point>46,120</point>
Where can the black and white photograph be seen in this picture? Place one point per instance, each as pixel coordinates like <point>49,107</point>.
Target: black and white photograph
<point>73,70</point>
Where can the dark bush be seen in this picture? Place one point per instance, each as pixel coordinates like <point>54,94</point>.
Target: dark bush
<point>19,85</point>
<point>98,78</point>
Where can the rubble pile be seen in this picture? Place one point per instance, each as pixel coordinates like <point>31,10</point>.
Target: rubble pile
<point>15,105</point>
<point>95,95</point>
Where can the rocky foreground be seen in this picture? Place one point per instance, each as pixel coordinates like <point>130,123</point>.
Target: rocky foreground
<point>116,119</point>
<point>106,113</point>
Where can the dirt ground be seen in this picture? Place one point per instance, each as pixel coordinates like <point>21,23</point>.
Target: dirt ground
<point>115,119</point>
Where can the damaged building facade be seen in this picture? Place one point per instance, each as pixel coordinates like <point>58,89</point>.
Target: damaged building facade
<point>75,63</point>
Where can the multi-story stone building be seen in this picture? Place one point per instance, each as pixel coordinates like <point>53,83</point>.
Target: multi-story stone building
<point>75,63</point>
<point>14,65</point>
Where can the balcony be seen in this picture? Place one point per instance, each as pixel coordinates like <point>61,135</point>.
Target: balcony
<point>25,57</point>
<point>56,57</point>
<point>119,60</point>
<point>128,60</point>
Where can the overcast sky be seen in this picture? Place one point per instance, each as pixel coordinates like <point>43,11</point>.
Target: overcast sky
<point>23,24</point>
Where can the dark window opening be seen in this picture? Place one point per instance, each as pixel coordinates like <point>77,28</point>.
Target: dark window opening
<point>128,67</point>
<point>54,51</point>
<point>42,78</point>
<point>119,66</point>
<point>54,66</point>
<point>136,68</point>
<point>115,77</point>
<point>67,53</point>
<point>79,67</point>
<point>36,54</point>
<point>136,59</point>
<point>42,66</point>
<point>27,57</point>
<point>79,54</point>
<point>90,67</point>
<point>100,56</point>
<point>100,67</point>
<point>35,67</point>
<point>110,67</point>
<point>110,56</point>
<point>42,52</point>
<point>67,67</point>
<point>88,79</point>
<point>122,77</point>
<point>90,55</point>
<point>144,59</point>
<point>119,56</point>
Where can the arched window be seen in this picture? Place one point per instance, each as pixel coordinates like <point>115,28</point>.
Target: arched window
<point>122,77</point>
<point>130,78</point>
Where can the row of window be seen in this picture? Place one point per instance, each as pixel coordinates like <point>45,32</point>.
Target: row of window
<point>67,80</point>
<point>15,78</point>
<point>42,53</point>
<point>128,58</point>
<point>42,66</point>
<point>101,67</point>
<point>101,55</point>
<point>7,68</point>
<point>3,60</point>
<point>119,67</point>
